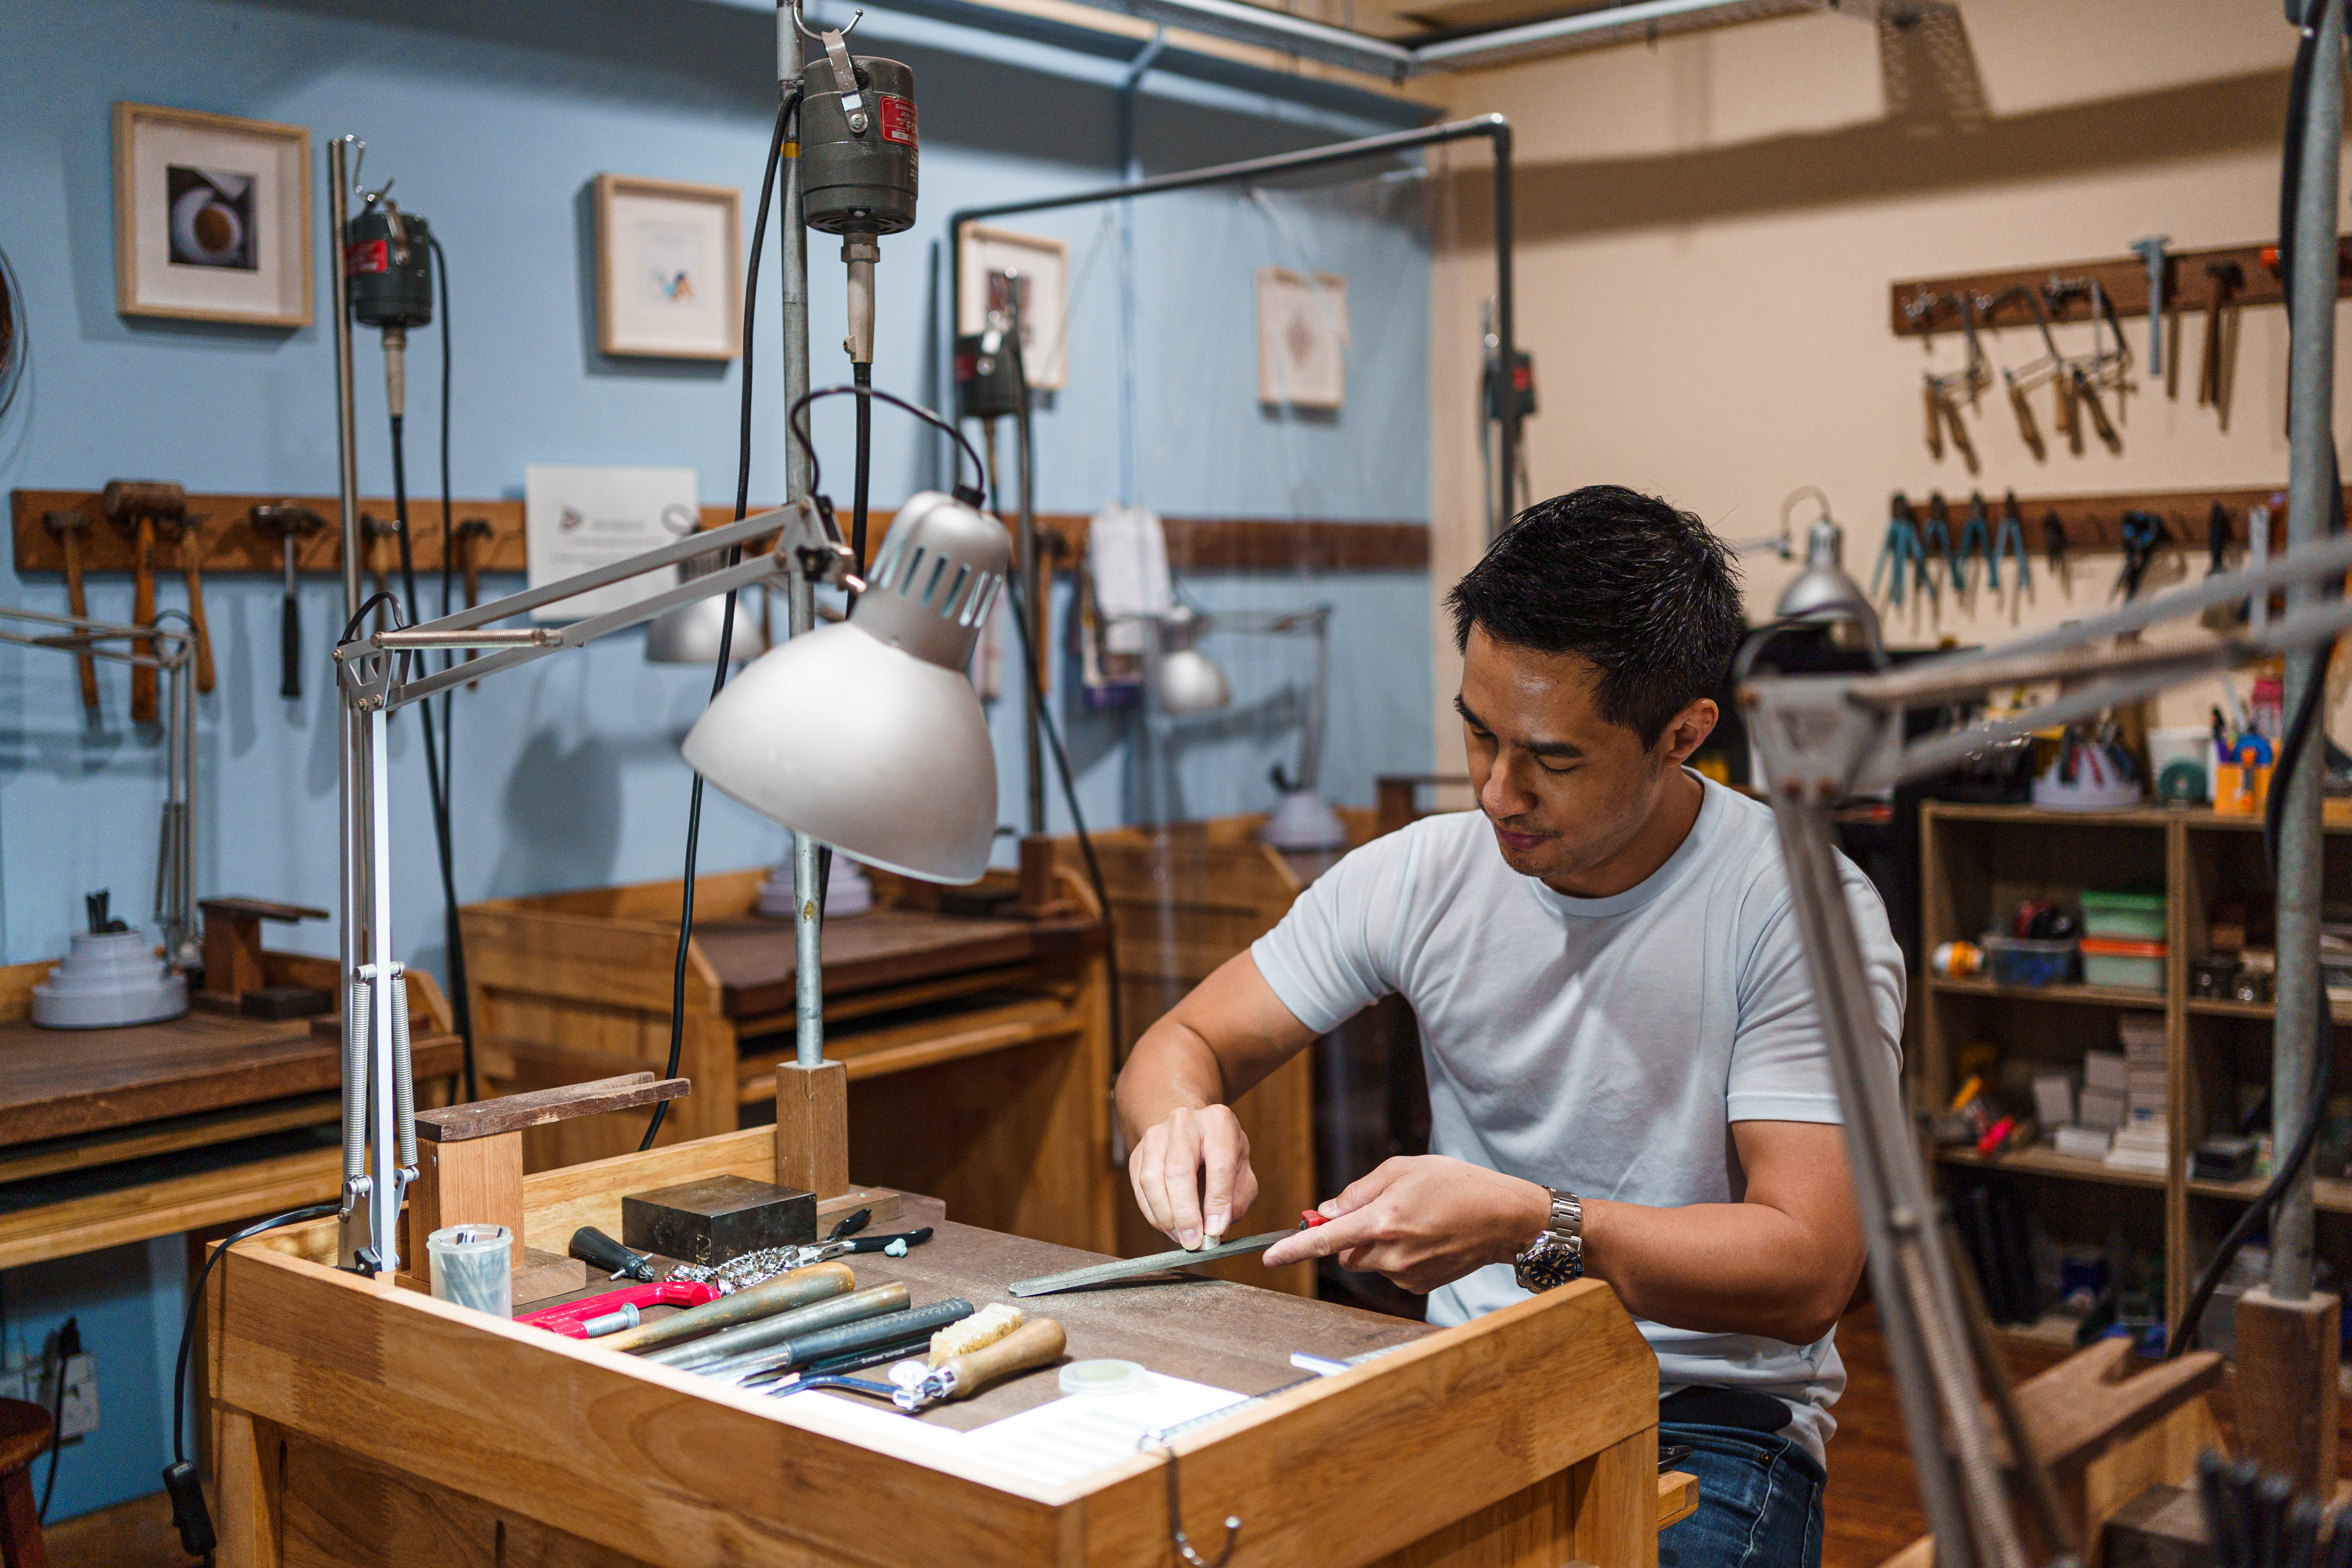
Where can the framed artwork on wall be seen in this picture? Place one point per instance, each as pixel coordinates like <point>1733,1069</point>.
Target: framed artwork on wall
<point>668,268</point>
<point>1302,338</point>
<point>1040,269</point>
<point>212,217</point>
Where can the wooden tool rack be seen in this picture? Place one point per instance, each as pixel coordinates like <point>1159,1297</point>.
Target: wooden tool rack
<point>231,544</point>
<point>366,1426</point>
<point>109,1136</point>
<point>977,1042</point>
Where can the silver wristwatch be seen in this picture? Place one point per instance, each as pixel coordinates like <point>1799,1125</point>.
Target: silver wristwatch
<point>1557,1253</point>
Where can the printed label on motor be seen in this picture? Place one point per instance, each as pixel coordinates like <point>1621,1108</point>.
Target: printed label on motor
<point>367,255</point>
<point>898,119</point>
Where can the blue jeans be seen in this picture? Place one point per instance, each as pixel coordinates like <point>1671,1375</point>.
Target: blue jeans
<point>1759,1501</point>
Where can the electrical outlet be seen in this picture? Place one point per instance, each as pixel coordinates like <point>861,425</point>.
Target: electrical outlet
<point>79,1416</point>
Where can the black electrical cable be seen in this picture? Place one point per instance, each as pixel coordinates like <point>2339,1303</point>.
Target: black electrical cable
<point>180,1478</point>
<point>727,624</point>
<point>2258,1213</point>
<point>860,483</point>
<point>461,1000</point>
<point>57,1420</point>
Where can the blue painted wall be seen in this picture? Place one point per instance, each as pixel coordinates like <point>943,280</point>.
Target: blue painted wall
<point>494,118</point>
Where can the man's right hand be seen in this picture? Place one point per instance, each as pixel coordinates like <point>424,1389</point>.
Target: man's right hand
<point>1191,1174</point>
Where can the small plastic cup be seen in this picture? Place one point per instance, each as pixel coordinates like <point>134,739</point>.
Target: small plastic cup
<point>473,1265</point>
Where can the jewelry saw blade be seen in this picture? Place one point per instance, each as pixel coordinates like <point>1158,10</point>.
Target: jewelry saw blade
<point>1158,1263</point>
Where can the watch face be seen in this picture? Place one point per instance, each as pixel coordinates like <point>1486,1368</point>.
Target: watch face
<point>1547,1265</point>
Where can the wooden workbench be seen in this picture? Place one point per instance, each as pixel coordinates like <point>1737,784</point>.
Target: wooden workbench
<point>109,1136</point>
<point>977,1045</point>
<point>365,1425</point>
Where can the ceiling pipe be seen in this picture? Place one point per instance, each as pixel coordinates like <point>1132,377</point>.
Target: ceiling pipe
<point>1238,22</point>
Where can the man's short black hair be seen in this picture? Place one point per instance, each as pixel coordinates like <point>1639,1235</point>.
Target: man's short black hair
<point>1648,595</point>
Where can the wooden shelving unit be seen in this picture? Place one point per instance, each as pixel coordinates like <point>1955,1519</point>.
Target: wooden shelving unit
<point>1977,862</point>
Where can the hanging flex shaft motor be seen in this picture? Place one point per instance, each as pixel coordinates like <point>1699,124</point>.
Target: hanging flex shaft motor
<point>859,156</point>
<point>388,260</point>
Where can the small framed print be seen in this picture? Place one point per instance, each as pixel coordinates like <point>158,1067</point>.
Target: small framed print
<point>1302,338</point>
<point>998,265</point>
<point>668,268</point>
<point>212,217</point>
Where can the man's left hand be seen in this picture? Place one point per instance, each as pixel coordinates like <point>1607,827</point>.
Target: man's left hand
<point>1422,1222</point>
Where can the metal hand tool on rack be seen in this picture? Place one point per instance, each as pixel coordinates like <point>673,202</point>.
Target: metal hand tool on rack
<point>2009,541</point>
<point>2144,534</point>
<point>288,524</point>
<point>66,528</point>
<point>1899,554</point>
<point>1935,540</point>
<point>1976,539</point>
<point>2223,281</point>
<point>2054,549</point>
<point>185,534</point>
<point>137,506</point>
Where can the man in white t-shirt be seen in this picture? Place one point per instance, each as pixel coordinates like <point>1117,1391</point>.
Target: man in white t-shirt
<point>1627,1075</point>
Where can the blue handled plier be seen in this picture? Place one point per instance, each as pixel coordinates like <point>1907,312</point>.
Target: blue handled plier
<point>2009,541</point>
<point>1976,539</point>
<point>1900,551</point>
<point>1936,539</point>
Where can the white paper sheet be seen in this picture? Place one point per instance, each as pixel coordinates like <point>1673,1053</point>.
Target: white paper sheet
<point>1057,1443</point>
<point>1080,1434</point>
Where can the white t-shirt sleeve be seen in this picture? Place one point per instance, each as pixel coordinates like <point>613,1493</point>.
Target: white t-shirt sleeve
<point>1335,953</point>
<point>1779,1060</point>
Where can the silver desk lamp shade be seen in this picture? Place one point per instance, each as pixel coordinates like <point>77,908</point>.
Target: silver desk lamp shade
<point>867,735</point>
<point>1190,680</point>
<point>1824,592</point>
<point>690,634</point>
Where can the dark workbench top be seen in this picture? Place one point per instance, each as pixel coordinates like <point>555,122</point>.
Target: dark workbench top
<point>58,1083</point>
<point>1208,1331</point>
<point>752,955</point>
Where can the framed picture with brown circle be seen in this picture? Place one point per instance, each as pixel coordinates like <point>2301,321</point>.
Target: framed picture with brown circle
<point>212,217</point>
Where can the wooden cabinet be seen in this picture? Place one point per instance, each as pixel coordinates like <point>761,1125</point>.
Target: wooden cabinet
<point>977,1045</point>
<point>1977,861</point>
<point>1184,899</point>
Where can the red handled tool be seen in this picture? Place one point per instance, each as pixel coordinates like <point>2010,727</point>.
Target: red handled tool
<point>571,1320</point>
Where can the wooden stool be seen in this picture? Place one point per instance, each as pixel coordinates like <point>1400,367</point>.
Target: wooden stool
<point>24,1433</point>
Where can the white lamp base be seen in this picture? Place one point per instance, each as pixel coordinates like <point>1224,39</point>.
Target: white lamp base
<point>1304,821</point>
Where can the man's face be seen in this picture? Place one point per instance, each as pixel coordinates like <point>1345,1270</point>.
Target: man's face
<point>1565,790</point>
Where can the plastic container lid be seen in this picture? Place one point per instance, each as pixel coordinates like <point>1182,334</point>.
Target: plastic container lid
<point>2141,903</point>
<point>2116,947</point>
<point>1104,1377</point>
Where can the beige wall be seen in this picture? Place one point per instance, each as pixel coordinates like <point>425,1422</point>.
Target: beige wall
<point>1707,229</point>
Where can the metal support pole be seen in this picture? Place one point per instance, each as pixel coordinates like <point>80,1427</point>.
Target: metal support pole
<point>351,781</point>
<point>2311,358</point>
<point>383,976</point>
<point>800,597</point>
<point>1507,345</point>
<point>1032,581</point>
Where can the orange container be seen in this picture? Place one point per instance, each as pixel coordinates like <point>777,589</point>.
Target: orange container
<point>2241,791</point>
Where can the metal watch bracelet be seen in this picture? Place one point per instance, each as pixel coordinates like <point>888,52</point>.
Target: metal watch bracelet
<point>1556,1257</point>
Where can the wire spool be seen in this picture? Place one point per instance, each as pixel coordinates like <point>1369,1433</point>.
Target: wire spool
<point>858,180</point>
<point>388,261</point>
<point>13,344</point>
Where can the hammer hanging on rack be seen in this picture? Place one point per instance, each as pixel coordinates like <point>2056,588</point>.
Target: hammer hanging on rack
<point>473,536</point>
<point>66,528</point>
<point>136,506</point>
<point>2213,370</point>
<point>187,538</point>
<point>288,523</point>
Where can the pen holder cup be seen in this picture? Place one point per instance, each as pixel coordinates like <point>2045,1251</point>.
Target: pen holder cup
<point>472,1266</point>
<point>2240,790</point>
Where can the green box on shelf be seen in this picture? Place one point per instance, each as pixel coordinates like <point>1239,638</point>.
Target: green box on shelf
<point>2123,916</point>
